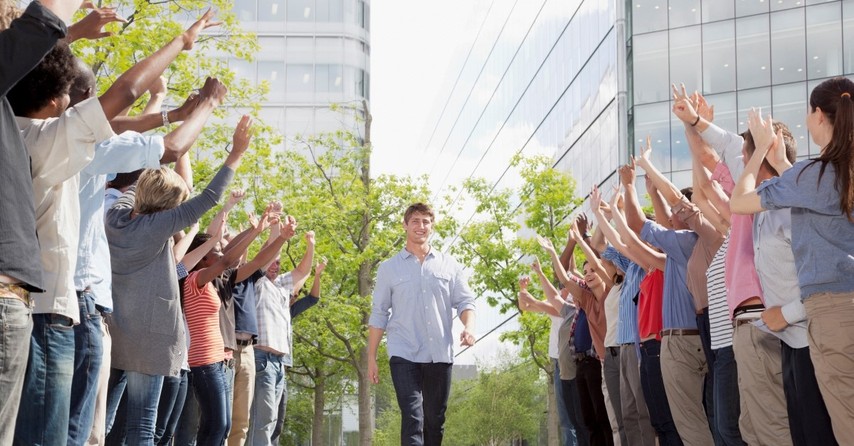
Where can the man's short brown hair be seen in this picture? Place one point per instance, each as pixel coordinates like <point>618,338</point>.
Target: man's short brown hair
<point>421,208</point>
<point>788,139</point>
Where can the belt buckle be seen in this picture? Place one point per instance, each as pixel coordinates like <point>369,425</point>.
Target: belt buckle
<point>14,291</point>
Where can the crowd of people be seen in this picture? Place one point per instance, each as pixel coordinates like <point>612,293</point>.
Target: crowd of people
<point>121,321</point>
<point>726,317</point>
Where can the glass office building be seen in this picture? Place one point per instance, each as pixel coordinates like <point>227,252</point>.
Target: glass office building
<point>586,81</point>
<point>313,53</point>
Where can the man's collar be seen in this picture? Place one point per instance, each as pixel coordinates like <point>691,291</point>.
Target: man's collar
<point>406,254</point>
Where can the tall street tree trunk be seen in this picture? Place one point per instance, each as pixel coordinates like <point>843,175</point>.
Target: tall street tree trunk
<point>317,430</point>
<point>553,416</point>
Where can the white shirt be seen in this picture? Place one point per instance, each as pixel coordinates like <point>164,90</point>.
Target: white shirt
<point>612,314</point>
<point>554,349</point>
<point>273,308</point>
<point>119,154</point>
<point>60,148</point>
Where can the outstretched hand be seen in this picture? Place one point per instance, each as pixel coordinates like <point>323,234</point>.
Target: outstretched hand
<point>545,243</point>
<point>91,26</point>
<point>524,281</point>
<point>192,33</point>
<point>242,134</point>
<point>683,105</point>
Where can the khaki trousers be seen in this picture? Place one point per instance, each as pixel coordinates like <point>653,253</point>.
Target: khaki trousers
<point>764,418</point>
<point>98,435</point>
<point>831,336</point>
<point>683,368</point>
<point>244,390</point>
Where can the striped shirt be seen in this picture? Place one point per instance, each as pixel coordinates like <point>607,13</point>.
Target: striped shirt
<point>719,321</point>
<point>201,308</point>
<point>627,325</point>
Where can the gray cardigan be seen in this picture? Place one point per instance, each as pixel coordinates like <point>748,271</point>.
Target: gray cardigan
<point>146,323</point>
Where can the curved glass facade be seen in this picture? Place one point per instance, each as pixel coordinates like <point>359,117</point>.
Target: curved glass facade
<point>313,53</point>
<point>586,81</point>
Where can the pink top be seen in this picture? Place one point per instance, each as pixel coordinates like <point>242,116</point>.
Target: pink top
<point>742,281</point>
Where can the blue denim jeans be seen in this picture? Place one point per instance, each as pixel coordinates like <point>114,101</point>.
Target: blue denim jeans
<point>88,353</point>
<point>269,386</point>
<point>16,325</point>
<point>169,408</point>
<point>210,387</point>
<point>280,416</point>
<point>188,424</point>
<point>727,406</point>
<point>567,429</point>
<point>422,391</point>
<point>44,411</point>
<point>143,395</point>
<point>115,425</point>
<point>655,396</point>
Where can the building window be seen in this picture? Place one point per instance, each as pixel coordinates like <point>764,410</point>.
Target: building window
<point>300,78</point>
<point>714,10</point>
<point>754,98</point>
<point>651,83</point>
<point>273,74</point>
<point>244,10</point>
<point>271,10</point>
<point>848,34</point>
<point>790,106</point>
<point>685,58</point>
<point>788,49</point>
<point>648,15</point>
<point>653,120</point>
<point>750,7</point>
<point>684,13</point>
<point>719,57</point>
<point>753,52</point>
<point>824,41</point>
<point>329,10</point>
<point>300,10</point>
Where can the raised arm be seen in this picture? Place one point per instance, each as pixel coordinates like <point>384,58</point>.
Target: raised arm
<point>179,141</point>
<point>684,108</point>
<point>303,269</point>
<point>557,264</point>
<point>567,256</point>
<point>671,193</point>
<point>634,213</point>
<point>228,258</point>
<point>593,259</point>
<point>152,117</point>
<point>637,251</point>
<point>265,256</point>
<point>135,81</point>
<point>527,302</point>
<point>192,258</point>
<point>662,212</point>
<point>91,27</point>
<point>183,241</point>
<point>744,198</point>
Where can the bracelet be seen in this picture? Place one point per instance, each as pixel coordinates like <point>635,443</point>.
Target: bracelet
<point>585,235</point>
<point>165,116</point>
<point>694,124</point>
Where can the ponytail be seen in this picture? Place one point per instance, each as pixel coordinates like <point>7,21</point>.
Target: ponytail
<point>834,98</point>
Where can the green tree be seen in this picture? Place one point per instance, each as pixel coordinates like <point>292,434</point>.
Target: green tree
<point>498,238</point>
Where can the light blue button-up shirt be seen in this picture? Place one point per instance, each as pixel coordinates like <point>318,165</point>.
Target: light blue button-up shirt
<point>413,301</point>
<point>633,275</point>
<point>120,154</point>
<point>677,309</point>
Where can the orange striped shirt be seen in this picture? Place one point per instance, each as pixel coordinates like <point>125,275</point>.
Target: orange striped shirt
<point>201,308</point>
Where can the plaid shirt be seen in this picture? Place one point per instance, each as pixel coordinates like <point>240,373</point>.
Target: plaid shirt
<point>274,315</point>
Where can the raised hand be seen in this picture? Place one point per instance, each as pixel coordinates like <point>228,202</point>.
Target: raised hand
<point>220,231</point>
<point>582,224</point>
<point>762,131</point>
<point>627,173</point>
<point>614,203</point>
<point>535,265</point>
<point>704,109</point>
<point>91,26</point>
<point>289,227</point>
<point>309,237</point>
<point>320,266</point>
<point>242,134</point>
<point>192,33</point>
<point>524,281</point>
<point>184,110</point>
<point>683,107</point>
<point>645,154</point>
<point>235,197</point>
<point>213,90</point>
<point>545,243</point>
<point>525,300</point>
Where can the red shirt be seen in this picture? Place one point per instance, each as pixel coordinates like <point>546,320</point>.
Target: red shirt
<point>201,308</point>
<point>649,305</point>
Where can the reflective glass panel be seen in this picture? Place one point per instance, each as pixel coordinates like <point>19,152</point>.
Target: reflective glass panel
<point>245,10</point>
<point>758,98</point>
<point>790,104</point>
<point>750,7</point>
<point>824,41</point>
<point>273,73</point>
<point>650,68</point>
<point>719,57</point>
<point>718,10</point>
<point>684,12</point>
<point>848,34</point>
<point>685,57</point>
<point>788,46</point>
<point>752,50</point>
<point>648,15</point>
<point>271,10</point>
<point>653,120</point>
<point>300,78</point>
<point>300,10</point>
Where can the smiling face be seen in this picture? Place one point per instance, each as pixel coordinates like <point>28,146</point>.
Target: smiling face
<point>590,275</point>
<point>418,228</point>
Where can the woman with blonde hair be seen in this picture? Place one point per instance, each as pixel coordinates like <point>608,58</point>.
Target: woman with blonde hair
<point>146,325</point>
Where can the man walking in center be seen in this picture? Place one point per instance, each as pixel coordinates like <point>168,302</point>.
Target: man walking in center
<point>419,286</point>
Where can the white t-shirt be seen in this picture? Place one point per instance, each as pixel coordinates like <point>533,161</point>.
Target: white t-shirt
<point>612,314</point>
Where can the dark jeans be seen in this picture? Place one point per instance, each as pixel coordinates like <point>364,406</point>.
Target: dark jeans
<point>589,379</point>
<point>573,405</point>
<point>655,395</point>
<point>169,409</point>
<point>567,426</point>
<point>188,423</point>
<point>116,423</point>
<point>422,391</point>
<point>809,421</point>
<point>709,384</point>
<point>88,353</point>
<point>727,406</point>
<point>210,386</point>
